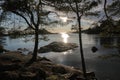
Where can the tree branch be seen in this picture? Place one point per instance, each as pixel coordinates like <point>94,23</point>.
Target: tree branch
<point>71,6</point>
<point>38,14</point>
<point>32,18</point>
<point>24,19</point>
<point>105,10</point>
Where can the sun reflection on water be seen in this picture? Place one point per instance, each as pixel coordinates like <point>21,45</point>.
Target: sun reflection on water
<point>65,37</point>
<point>67,52</point>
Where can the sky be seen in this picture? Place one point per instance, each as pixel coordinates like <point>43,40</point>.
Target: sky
<point>66,20</point>
<point>69,19</point>
<point>86,22</point>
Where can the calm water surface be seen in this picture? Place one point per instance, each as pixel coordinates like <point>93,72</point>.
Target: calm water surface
<point>106,68</point>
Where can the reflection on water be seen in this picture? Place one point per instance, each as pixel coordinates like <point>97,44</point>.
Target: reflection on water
<point>105,69</point>
<point>67,52</point>
<point>2,39</point>
<point>65,37</point>
<point>110,42</point>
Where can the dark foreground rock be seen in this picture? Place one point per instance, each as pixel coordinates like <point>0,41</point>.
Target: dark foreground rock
<point>57,47</point>
<point>2,49</point>
<point>12,67</point>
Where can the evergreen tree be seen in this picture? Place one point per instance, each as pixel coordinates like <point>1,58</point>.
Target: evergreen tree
<point>31,12</point>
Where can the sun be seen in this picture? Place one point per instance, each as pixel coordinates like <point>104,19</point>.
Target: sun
<point>64,19</point>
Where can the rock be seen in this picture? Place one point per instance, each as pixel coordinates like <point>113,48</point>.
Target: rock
<point>19,49</point>
<point>75,76</point>
<point>56,77</point>
<point>9,67</point>
<point>59,70</point>
<point>22,49</point>
<point>43,59</point>
<point>91,75</point>
<point>11,57</point>
<point>9,75</point>
<point>27,75</point>
<point>12,67</point>
<point>41,75</point>
<point>30,53</point>
<point>94,49</point>
<point>33,74</point>
<point>44,49</point>
<point>57,47</point>
<point>16,61</point>
<point>1,49</point>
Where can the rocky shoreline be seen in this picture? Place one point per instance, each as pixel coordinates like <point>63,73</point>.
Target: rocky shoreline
<point>12,67</point>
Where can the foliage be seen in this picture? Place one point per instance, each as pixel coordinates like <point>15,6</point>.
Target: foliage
<point>114,8</point>
<point>94,30</point>
<point>31,12</point>
<point>109,26</point>
<point>70,5</point>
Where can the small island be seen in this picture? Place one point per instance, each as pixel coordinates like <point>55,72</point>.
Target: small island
<point>57,47</point>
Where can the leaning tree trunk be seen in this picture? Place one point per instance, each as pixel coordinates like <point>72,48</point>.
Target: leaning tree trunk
<point>81,49</point>
<point>34,57</point>
<point>80,41</point>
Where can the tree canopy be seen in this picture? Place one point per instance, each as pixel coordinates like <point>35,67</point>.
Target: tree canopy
<point>114,8</point>
<point>31,11</point>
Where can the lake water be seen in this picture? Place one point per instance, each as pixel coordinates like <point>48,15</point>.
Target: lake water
<point>104,62</point>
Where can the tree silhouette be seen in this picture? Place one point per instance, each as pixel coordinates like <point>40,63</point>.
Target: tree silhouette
<point>31,11</point>
<point>110,10</point>
<point>80,8</point>
<point>114,8</point>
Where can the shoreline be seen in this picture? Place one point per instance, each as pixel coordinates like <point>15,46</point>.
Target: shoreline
<point>12,67</point>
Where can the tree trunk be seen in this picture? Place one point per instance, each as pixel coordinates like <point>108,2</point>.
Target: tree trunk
<point>109,19</point>
<point>34,57</point>
<point>80,37</point>
<point>80,41</point>
<point>105,10</point>
<point>81,49</point>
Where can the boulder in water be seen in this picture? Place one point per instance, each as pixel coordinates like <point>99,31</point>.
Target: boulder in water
<point>94,49</point>
<point>57,47</point>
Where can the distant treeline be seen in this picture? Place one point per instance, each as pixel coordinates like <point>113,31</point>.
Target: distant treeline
<point>105,28</point>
